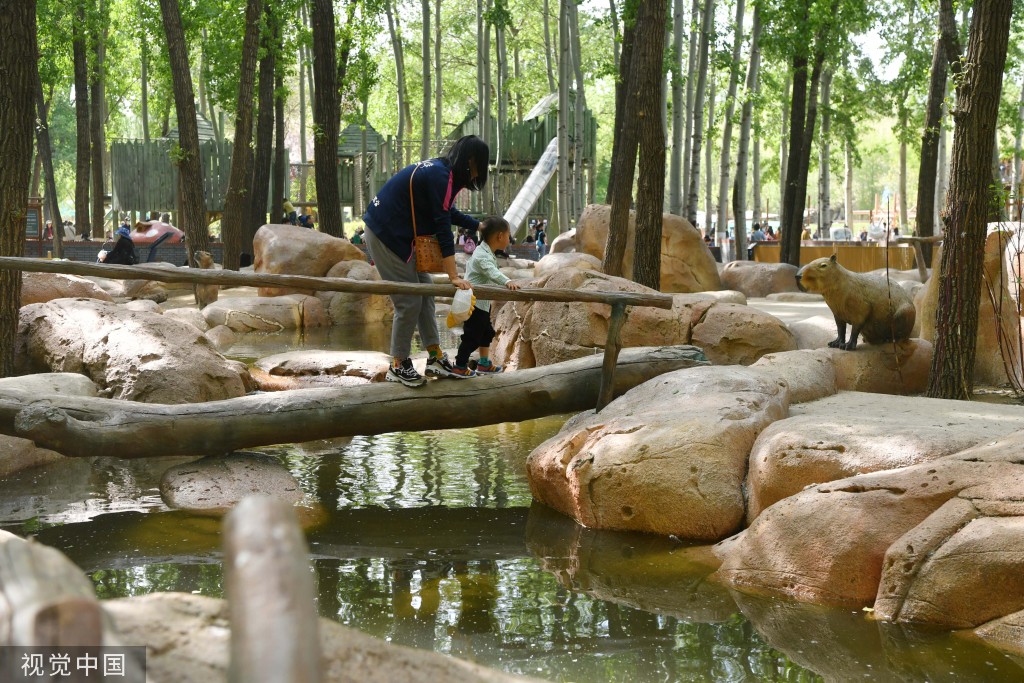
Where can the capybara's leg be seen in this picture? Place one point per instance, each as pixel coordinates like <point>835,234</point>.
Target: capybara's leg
<point>840,341</point>
<point>854,335</point>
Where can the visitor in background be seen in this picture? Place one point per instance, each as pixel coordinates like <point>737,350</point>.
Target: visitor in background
<point>758,234</point>
<point>482,269</point>
<point>48,231</point>
<point>770,234</point>
<point>420,199</point>
<point>357,238</point>
<point>806,234</point>
<point>289,211</point>
<point>542,238</point>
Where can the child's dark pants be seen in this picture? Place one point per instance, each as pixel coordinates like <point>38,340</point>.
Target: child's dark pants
<point>477,331</point>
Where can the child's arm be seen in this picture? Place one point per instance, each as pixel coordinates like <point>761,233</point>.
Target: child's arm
<point>511,285</point>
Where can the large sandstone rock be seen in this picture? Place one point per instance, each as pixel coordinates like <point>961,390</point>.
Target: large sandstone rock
<point>759,279</point>
<point>814,332</point>
<point>316,368</point>
<point>999,336</point>
<point>353,308</point>
<point>809,374</point>
<point>220,482</point>
<point>668,457</point>
<point>735,334</point>
<point>37,288</point>
<point>531,334</point>
<point>130,355</point>
<point>64,383</point>
<point>187,641</point>
<point>267,314</point>
<point>564,243</point>
<point>290,250</point>
<point>937,542</point>
<point>900,368</point>
<point>854,433</point>
<point>552,263</point>
<point>21,454</point>
<point>686,263</point>
<point>189,315</point>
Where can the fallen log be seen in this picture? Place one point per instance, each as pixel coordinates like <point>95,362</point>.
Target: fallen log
<point>83,427</point>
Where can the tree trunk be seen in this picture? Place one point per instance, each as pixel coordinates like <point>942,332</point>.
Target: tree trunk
<point>691,65</point>
<point>675,183</point>
<point>564,78</point>
<point>37,174</point>
<point>950,38</point>
<point>256,215</point>
<point>926,177</point>
<point>1018,131</point>
<point>848,201</point>
<point>96,118</point>
<point>708,171</point>
<point>302,112</point>
<point>326,117</point>
<point>784,151</point>
<point>613,19</point>
<point>501,51</point>
<point>18,63</point>
<point>547,44</point>
<point>977,111</point>
<point>824,160</point>
<point>730,109</point>
<point>793,240</point>
<point>756,162</point>
<point>623,167</point>
<point>280,175</point>
<point>943,181</point>
<point>192,218</point>
<point>580,106</point>
<point>396,46</point>
<point>739,194</point>
<point>438,92</point>
<point>487,198</point>
<point>83,148</point>
<point>903,124</point>
<point>646,73</point>
<point>693,191</point>
<point>791,212</point>
<point>144,89</point>
<point>46,155</point>
<point>427,99</point>
<point>240,178</point>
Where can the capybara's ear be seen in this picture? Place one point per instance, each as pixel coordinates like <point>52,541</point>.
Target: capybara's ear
<point>832,258</point>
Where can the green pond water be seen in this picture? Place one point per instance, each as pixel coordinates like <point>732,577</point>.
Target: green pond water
<point>432,540</point>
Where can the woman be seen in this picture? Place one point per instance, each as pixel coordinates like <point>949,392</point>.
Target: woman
<point>431,187</point>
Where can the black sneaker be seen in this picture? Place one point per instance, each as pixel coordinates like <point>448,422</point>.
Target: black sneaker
<point>442,367</point>
<point>406,374</point>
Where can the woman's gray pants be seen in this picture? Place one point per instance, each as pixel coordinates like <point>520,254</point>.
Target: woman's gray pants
<point>411,312</point>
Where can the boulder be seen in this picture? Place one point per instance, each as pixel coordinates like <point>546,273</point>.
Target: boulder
<point>130,355</point>
<point>796,297</point>
<point>188,641</point>
<point>759,279</point>
<point>734,334</point>
<point>998,336</point>
<point>63,383</point>
<point>553,263</point>
<point>910,541</point>
<point>810,375</point>
<point>37,288</point>
<point>267,314</point>
<point>222,337</point>
<point>900,368</point>
<point>814,332</point>
<point>353,308</point>
<point>314,368</point>
<point>189,315</point>
<point>290,250</point>
<point>220,482</point>
<point>667,457</point>
<point>145,289</point>
<point>686,262</point>
<point>144,305</point>
<point>1005,633</point>
<point>853,433</point>
<point>564,243</point>
<point>537,333</point>
<point>21,454</point>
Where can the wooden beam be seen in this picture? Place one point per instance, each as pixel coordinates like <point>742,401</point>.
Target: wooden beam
<point>231,278</point>
<point>81,426</point>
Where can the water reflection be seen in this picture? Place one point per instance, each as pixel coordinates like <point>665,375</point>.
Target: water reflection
<point>432,540</point>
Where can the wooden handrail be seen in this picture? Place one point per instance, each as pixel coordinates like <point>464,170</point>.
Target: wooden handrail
<point>331,284</point>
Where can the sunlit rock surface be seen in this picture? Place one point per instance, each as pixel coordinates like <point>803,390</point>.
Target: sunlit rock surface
<point>40,287</point>
<point>759,279</point>
<point>290,250</point>
<point>219,482</point>
<point>267,314</point>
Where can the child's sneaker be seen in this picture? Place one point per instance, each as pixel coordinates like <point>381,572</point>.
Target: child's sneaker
<point>406,374</point>
<point>441,367</point>
<point>488,369</point>
<point>462,372</point>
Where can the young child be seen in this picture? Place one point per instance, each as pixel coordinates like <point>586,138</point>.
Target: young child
<point>482,269</point>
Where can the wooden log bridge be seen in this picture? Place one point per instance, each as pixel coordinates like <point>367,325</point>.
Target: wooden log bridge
<point>82,426</point>
<point>617,300</point>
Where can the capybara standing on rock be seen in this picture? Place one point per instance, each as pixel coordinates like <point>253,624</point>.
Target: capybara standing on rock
<point>205,294</point>
<point>882,311</point>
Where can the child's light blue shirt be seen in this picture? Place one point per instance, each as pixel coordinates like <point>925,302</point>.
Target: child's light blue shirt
<point>482,269</point>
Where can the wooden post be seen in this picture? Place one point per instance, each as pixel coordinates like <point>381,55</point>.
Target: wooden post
<point>274,625</point>
<point>612,346</point>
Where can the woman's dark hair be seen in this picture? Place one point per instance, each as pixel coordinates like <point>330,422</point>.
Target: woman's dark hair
<point>458,157</point>
<point>493,225</point>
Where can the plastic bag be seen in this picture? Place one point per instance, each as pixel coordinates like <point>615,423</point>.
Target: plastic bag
<point>462,307</point>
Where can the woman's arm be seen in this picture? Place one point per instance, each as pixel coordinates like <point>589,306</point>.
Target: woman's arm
<point>448,263</point>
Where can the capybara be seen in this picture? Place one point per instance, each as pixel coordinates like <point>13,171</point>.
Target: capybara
<point>882,311</point>
<point>205,294</point>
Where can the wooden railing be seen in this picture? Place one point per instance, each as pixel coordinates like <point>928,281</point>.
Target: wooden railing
<point>617,300</point>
